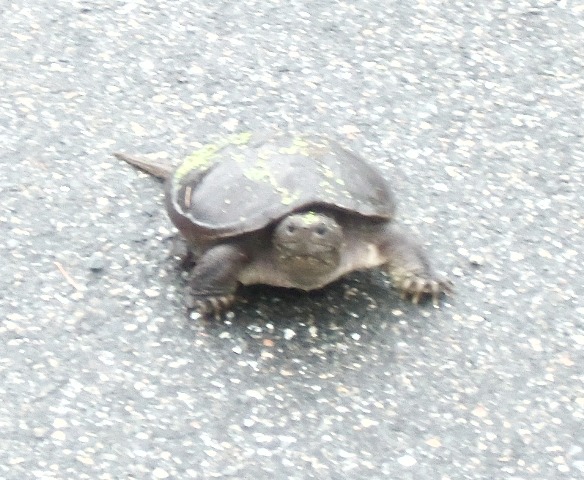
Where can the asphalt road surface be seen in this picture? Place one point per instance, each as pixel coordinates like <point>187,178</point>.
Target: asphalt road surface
<point>474,112</point>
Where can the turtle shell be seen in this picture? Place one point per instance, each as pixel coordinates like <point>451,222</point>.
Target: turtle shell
<point>251,180</point>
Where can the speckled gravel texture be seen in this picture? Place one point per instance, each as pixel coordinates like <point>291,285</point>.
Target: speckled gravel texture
<point>473,110</point>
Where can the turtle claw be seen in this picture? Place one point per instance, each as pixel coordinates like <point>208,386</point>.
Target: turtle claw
<point>435,291</point>
<point>207,306</point>
<point>416,297</point>
<point>406,287</point>
<point>416,287</point>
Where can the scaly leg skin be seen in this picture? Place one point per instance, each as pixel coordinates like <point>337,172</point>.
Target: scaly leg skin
<point>214,279</point>
<point>180,249</point>
<point>410,269</point>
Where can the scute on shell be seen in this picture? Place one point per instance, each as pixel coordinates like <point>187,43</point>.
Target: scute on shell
<point>250,180</point>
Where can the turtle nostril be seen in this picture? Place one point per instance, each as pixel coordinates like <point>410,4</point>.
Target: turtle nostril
<point>321,230</point>
<point>290,228</point>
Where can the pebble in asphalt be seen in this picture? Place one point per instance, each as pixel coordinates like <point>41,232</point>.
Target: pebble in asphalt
<point>472,109</point>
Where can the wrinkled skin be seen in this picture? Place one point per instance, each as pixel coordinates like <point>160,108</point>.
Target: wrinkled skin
<point>307,251</point>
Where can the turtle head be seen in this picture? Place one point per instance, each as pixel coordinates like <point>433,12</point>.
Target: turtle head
<point>308,245</point>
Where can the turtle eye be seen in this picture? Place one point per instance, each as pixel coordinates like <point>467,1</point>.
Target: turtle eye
<point>321,230</point>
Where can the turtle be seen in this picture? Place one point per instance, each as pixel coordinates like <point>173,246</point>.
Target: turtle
<point>288,210</point>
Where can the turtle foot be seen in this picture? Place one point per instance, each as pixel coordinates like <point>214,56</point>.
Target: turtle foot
<point>418,287</point>
<point>206,306</point>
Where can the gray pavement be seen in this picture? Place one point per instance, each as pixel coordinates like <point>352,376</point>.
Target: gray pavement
<point>474,110</point>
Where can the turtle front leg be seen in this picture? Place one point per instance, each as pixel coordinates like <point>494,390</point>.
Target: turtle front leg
<point>214,279</point>
<point>410,269</point>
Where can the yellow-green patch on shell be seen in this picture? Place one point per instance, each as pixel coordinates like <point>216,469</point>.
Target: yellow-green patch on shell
<point>310,217</point>
<point>246,182</point>
<point>263,171</point>
<point>203,158</point>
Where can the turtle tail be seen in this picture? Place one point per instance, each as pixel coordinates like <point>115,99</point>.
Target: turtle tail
<point>158,168</point>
